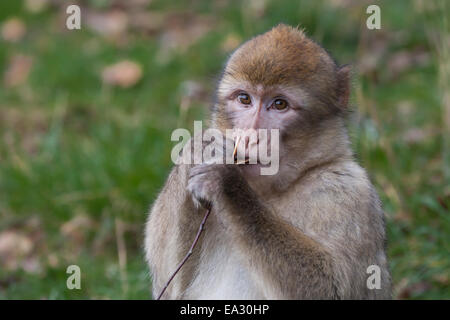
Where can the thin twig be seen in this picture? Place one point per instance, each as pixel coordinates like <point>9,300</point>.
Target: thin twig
<point>245,161</point>
<point>236,146</point>
<point>199,232</point>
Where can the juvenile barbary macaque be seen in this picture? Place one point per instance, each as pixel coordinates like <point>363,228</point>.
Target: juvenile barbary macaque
<point>309,231</point>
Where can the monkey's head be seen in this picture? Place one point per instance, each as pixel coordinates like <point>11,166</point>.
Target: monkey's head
<point>281,80</point>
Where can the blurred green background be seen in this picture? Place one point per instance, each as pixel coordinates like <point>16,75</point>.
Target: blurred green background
<point>86,117</point>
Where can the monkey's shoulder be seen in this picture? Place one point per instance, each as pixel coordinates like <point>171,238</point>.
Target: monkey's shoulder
<point>334,204</point>
<point>178,176</point>
<point>173,193</point>
<point>344,177</point>
<point>339,190</point>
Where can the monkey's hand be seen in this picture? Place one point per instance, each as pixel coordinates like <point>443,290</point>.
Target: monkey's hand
<point>206,183</point>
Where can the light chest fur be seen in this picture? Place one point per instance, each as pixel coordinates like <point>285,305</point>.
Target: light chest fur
<point>222,273</point>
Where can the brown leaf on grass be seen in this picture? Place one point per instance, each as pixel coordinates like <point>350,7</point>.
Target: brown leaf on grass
<point>150,22</point>
<point>109,24</point>
<point>77,227</point>
<point>256,8</point>
<point>181,30</point>
<point>36,6</point>
<point>231,42</point>
<point>402,215</point>
<point>403,60</point>
<point>53,260</point>
<point>18,70</point>
<point>374,55</point>
<point>414,289</point>
<point>14,243</point>
<point>417,135</point>
<point>20,246</point>
<point>123,74</point>
<point>131,4</point>
<point>406,108</point>
<point>16,251</point>
<point>442,278</point>
<point>13,30</point>
<point>344,3</point>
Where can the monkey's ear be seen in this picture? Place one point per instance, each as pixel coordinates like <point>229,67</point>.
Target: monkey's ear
<point>343,85</point>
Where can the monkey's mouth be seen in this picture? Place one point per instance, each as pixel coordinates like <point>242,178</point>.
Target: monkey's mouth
<point>247,160</point>
<point>244,157</point>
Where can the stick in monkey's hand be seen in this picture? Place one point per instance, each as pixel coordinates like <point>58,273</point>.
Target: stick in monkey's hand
<point>199,232</point>
<point>235,152</point>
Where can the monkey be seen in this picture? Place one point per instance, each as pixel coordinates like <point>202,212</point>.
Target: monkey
<point>311,230</point>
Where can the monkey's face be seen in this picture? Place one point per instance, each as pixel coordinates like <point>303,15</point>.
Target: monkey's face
<point>279,80</point>
<point>255,111</point>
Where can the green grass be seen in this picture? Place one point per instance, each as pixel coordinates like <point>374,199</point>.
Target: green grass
<point>72,146</point>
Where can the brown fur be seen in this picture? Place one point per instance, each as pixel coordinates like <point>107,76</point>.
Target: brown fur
<point>256,61</point>
<point>308,232</point>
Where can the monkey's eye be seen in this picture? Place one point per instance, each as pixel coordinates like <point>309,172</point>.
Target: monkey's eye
<point>280,104</point>
<point>244,98</point>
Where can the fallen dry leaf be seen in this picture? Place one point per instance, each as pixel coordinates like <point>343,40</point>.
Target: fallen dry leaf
<point>147,21</point>
<point>417,135</point>
<point>406,59</point>
<point>14,246</point>
<point>414,290</point>
<point>14,243</point>
<point>110,24</point>
<point>346,3</point>
<point>77,227</point>
<point>18,70</point>
<point>123,74</point>
<point>256,8</point>
<point>13,30</point>
<point>53,260</point>
<point>402,215</point>
<point>36,6</point>
<point>406,108</point>
<point>231,42</point>
<point>20,246</point>
<point>181,30</point>
<point>442,279</point>
<point>132,4</point>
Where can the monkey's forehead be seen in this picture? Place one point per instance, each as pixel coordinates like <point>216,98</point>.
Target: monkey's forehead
<point>282,55</point>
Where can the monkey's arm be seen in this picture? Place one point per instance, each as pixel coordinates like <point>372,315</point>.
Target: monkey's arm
<point>294,265</point>
<point>170,229</point>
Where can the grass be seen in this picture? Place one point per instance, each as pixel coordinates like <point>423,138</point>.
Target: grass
<point>72,146</point>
